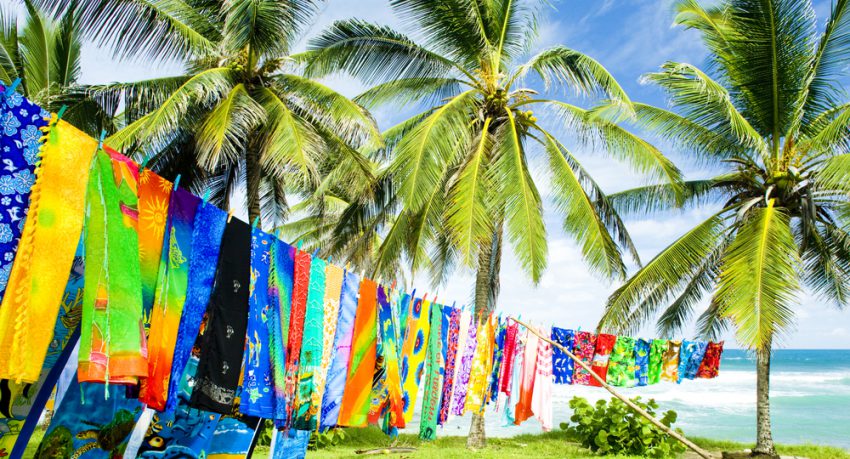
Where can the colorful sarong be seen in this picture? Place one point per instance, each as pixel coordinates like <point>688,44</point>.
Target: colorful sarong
<point>498,358</point>
<point>642,348</point>
<point>710,366</point>
<point>307,406</point>
<point>541,399</point>
<point>342,351</point>
<point>513,389</point>
<point>695,361</point>
<point>333,290</point>
<point>291,444</point>
<point>154,197</point>
<point>386,398</point>
<point>670,361</point>
<point>452,340</point>
<point>656,359</point>
<point>585,347</point>
<point>434,373</point>
<point>21,122</point>
<point>562,365</point>
<point>221,348</point>
<point>354,408</point>
<point>413,353</point>
<point>87,425</point>
<point>528,372</point>
<point>511,335</point>
<point>233,436</point>
<point>207,232</point>
<point>170,296</point>
<point>621,366</point>
<point>297,316</point>
<point>465,369</point>
<point>281,279</point>
<point>112,328</point>
<point>688,349</point>
<point>599,365</point>
<point>46,252</point>
<point>482,362</point>
<point>21,404</point>
<point>257,398</point>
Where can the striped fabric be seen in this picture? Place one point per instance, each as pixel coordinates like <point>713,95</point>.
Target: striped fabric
<point>354,408</point>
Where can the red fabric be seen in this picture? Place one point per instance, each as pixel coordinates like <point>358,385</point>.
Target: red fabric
<point>300,286</point>
<point>604,345</point>
<point>508,359</point>
<point>710,366</point>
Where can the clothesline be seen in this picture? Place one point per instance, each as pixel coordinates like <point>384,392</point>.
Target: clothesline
<point>195,322</point>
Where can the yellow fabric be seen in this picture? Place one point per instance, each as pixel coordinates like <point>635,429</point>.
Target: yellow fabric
<point>481,366</point>
<point>46,252</point>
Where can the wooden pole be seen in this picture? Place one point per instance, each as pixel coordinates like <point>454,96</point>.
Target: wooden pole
<point>629,403</point>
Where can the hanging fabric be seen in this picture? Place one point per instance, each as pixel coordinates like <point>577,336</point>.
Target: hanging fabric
<point>233,436</point>
<point>311,348</point>
<point>642,349</point>
<point>281,285</point>
<point>492,393</point>
<point>452,341</point>
<point>22,123</point>
<point>46,252</point>
<point>526,380</point>
<point>694,361</point>
<point>562,365</point>
<point>510,350</point>
<point>599,364</point>
<point>387,401</point>
<point>257,397</point>
<point>338,370</point>
<point>85,424</point>
<point>172,284</point>
<point>621,366</point>
<point>291,444</point>
<point>541,398</point>
<point>687,350</point>
<point>112,330</point>
<point>207,232</point>
<point>154,198</point>
<point>710,366</point>
<point>354,407</point>
<point>512,394</point>
<point>482,361</point>
<point>670,361</point>
<point>465,368</point>
<point>333,290</point>
<point>297,316</point>
<point>221,349</point>
<point>585,347</point>
<point>434,375</point>
<point>656,360</point>
<point>413,353</point>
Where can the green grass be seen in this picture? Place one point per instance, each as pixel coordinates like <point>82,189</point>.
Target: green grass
<point>552,444</point>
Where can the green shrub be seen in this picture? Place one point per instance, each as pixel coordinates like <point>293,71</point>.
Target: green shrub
<point>611,427</point>
<point>321,440</point>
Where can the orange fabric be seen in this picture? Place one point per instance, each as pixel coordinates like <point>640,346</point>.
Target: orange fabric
<point>353,411</point>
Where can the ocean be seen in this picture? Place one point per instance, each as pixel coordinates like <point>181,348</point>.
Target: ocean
<point>810,401</point>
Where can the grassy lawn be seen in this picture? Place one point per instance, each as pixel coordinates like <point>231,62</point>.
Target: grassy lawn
<point>552,444</point>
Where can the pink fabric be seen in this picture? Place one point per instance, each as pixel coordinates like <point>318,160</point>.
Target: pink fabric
<point>526,384</point>
<point>541,399</point>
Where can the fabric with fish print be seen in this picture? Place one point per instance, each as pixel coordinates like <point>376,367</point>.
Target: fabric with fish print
<point>46,251</point>
<point>642,350</point>
<point>21,122</point>
<point>257,397</point>
<point>694,361</point>
<point>223,342</point>
<point>112,326</point>
<point>207,232</point>
<point>687,350</point>
<point>563,366</point>
<point>338,371</point>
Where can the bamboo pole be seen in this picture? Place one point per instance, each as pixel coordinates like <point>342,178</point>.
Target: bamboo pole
<point>629,403</point>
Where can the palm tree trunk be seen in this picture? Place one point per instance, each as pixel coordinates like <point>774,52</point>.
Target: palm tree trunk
<point>252,185</point>
<point>764,438</point>
<point>486,292</point>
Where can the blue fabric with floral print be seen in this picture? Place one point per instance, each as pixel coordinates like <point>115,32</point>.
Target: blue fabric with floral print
<point>20,123</point>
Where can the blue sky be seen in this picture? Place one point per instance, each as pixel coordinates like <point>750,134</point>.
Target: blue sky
<point>630,37</point>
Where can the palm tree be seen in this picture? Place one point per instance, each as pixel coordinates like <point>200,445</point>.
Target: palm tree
<point>770,115</point>
<point>459,170</point>
<point>45,55</point>
<point>239,113</point>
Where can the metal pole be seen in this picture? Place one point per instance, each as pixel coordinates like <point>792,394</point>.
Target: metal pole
<point>629,403</point>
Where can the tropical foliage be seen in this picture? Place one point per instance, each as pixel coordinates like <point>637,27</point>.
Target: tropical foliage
<point>45,55</point>
<point>240,114</point>
<point>770,116</point>
<point>459,169</point>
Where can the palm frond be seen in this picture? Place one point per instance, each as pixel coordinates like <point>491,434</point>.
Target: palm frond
<point>65,67</point>
<point>266,27</point>
<point>758,279</point>
<point>37,40</point>
<point>10,61</point>
<point>834,173</point>
<point>651,199</point>
<point>221,137</point>
<point>451,26</point>
<point>406,91</point>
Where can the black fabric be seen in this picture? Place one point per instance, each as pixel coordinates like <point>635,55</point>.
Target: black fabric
<point>223,340</point>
